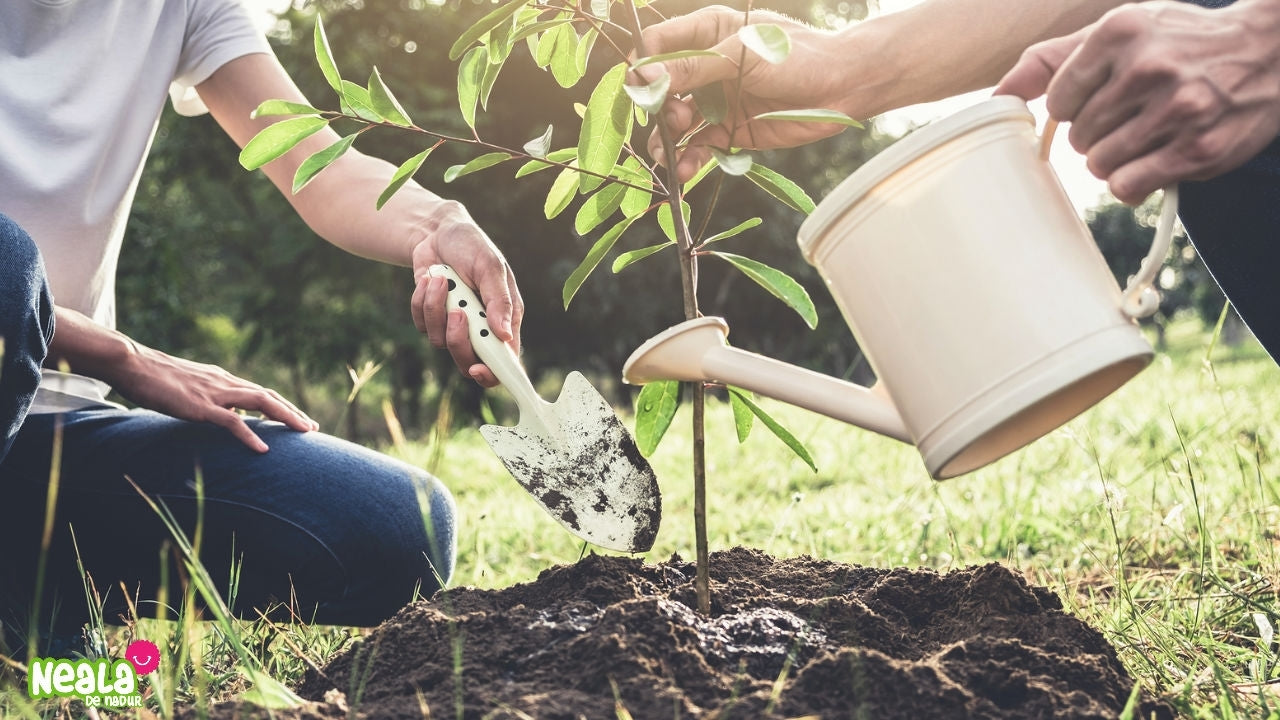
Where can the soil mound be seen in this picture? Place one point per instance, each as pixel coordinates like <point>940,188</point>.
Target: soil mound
<point>786,638</point>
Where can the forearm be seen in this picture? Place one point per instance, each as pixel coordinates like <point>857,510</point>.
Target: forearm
<point>87,348</point>
<point>340,205</point>
<point>942,48</point>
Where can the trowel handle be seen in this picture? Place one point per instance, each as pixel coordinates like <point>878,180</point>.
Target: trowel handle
<point>494,353</point>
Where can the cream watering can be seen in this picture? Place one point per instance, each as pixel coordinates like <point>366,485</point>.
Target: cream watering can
<point>970,283</point>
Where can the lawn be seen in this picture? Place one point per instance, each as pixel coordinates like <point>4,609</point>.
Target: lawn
<point>1151,516</point>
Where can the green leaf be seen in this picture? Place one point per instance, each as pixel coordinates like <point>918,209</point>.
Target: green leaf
<point>600,8</point>
<point>736,164</point>
<point>776,428</point>
<point>667,223</point>
<point>655,408</point>
<point>735,230</point>
<point>384,103</point>
<point>635,201</point>
<point>402,175</point>
<point>277,139</point>
<point>814,115</point>
<point>598,207</point>
<point>488,76</point>
<point>713,106</point>
<point>324,57</point>
<point>606,125</point>
<point>564,57</point>
<point>320,160</point>
<point>677,55</point>
<point>282,107</point>
<point>539,146</point>
<point>475,164</point>
<point>470,73</point>
<point>561,155</point>
<point>561,192</point>
<point>547,43</point>
<point>529,31</point>
<point>743,419</point>
<point>635,256</point>
<point>593,258</point>
<point>778,283</point>
<point>583,54</point>
<point>484,25</point>
<point>650,97</point>
<point>781,188</point>
<point>766,40</point>
<point>356,101</point>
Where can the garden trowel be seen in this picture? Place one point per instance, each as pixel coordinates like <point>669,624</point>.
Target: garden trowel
<point>574,455</point>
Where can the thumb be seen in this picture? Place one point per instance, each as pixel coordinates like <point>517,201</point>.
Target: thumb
<point>691,72</point>
<point>1029,78</point>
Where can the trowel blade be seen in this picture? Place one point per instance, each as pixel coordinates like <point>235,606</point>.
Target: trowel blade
<point>586,471</point>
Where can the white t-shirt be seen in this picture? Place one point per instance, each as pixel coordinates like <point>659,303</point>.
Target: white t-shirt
<point>82,86</point>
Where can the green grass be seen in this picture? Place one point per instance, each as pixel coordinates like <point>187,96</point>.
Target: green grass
<point>1153,516</point>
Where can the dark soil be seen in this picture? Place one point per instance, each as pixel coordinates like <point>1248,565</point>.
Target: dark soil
<point>785,639</point>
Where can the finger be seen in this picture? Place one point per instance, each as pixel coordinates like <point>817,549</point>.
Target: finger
<point>270,405</point>
<point>233,422</point>
<point>418,301</point>
<point>493,283</point>
<point>1128,141</point>
<point>1029,78</point>
<point>713,27</point>
<point>308,422</point>
<point>1084,71</point>
<point>458,342</point>
<point>517,310</point>
<point>434,313</point>
<point>483,376</point>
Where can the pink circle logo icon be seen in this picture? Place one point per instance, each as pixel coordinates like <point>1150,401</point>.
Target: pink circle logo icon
<point>143,655</point>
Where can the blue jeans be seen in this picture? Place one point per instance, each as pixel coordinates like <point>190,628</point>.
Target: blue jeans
<point>26,327</point>
<point>330,529</point>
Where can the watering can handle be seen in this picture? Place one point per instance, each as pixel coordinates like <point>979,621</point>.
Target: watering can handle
<point>1140,298</point>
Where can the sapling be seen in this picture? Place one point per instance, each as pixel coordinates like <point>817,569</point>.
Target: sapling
<point>616,186</point>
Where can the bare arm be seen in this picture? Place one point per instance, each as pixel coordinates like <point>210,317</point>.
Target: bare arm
<point>930,51</point>
<point>415,229</point>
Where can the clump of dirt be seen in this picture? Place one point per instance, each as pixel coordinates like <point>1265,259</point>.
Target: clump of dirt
<point>785,638</point>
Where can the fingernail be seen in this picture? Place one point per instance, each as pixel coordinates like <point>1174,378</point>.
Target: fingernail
<point>651,72</point>
<point>660,156</point>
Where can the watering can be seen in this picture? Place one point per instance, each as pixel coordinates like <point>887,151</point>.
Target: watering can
<point>970,283</point>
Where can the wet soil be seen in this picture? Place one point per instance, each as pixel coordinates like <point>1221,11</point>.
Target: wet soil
<point>786,638</point>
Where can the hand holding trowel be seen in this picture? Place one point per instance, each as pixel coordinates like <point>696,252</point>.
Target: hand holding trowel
<point>574,456</point>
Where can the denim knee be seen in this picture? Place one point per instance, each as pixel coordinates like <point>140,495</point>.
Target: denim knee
<point>26,326</point>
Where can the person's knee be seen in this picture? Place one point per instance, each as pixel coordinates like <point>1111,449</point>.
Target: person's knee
<point>26,309</point>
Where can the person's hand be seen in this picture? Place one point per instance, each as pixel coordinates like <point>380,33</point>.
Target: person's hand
<point>804,80</point>
<point>202,393</point>
<point>457,241</point>
<point>1160,92</point>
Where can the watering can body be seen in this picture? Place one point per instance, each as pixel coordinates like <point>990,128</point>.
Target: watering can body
<point>970,283</point>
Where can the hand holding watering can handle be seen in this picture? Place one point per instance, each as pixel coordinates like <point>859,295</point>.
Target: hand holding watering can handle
<point>1140,298</point>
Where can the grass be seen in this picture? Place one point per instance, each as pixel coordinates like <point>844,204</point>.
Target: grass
<point>1154,516</point>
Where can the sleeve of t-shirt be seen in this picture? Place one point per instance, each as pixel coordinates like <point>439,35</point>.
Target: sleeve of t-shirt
<point>217,32</point>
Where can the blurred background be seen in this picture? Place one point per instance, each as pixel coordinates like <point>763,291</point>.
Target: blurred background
<point>217,268</point>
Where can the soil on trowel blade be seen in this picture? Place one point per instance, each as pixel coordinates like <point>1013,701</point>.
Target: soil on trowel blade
<point>785,638</point>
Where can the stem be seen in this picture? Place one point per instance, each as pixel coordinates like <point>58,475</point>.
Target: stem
<point>689,287</point>
<point>521,154</point>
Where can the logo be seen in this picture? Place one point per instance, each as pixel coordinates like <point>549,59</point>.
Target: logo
<point>96,683</point>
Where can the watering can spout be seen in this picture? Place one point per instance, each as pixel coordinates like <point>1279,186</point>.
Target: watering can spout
<point>696,350</point>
